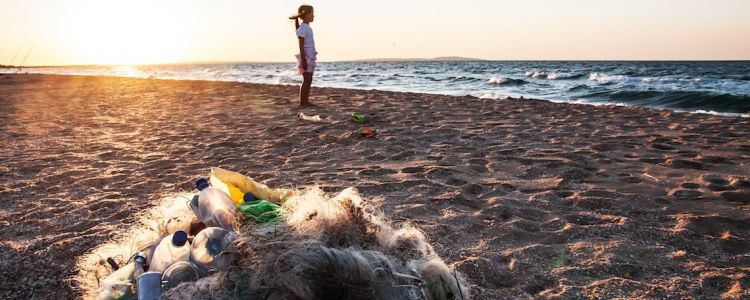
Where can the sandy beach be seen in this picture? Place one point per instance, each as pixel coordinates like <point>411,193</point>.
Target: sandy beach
<point>527,198</point>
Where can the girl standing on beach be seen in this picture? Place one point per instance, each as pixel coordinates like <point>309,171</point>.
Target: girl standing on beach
<point>307,54</point>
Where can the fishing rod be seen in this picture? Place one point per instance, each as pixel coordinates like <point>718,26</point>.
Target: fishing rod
<point>14,56</point>
<point>27,56</point>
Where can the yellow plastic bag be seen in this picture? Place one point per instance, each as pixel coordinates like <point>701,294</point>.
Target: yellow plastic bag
<point>236,185</point>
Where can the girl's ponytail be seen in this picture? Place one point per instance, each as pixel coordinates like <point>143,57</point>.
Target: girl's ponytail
<point>296,21</point>
<point>301,11</point>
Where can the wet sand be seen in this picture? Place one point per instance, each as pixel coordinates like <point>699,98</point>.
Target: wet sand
<point>527,198</point>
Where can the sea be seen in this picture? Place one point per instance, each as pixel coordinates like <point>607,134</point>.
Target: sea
<point>715,87</point>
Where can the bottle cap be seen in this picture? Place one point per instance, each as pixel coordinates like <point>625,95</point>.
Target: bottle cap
<point>249,197</point>
<point>139,259</point>
<point>201,184</point>
<point>179,238</point>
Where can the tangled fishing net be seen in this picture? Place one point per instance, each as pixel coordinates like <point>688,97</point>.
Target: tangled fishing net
<point>320,247</point>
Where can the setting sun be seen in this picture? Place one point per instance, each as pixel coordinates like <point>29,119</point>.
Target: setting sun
<point>134,32</point>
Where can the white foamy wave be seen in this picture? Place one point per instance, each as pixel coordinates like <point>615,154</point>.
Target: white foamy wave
<point>491,95</point>
<point>604,78</point>
<point>497,80</point>
<point>536,74</point>
<point>553,76</point>
<point>716,113</point>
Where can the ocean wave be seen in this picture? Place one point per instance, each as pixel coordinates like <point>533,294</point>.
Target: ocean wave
<point>579,87</point>
<point>491,95</point>
<point>552,75</point>
<point>689,100</point>
<point>604,78</point>
<point>464,79</point>
<point>536,75</point>
<point>506,81</point>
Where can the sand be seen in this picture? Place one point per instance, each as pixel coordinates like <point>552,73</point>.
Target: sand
<point>527,198</point>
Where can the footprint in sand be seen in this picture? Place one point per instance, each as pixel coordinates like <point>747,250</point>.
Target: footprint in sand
<point>588,219</point>
<point>690,185</point>
<point>740,197</point>
<point>654,160</point>
<point>627,178</point>
<point>376,171</point>
<point>731,234</point>
<point>685,164</point>
<point>412,170</point>
<point>473,189</point>
<point>715,159</point>
<point>455,182</point>
<point>691,194</point>
<point>729,186</point>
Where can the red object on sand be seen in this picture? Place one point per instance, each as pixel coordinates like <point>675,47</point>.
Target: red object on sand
<point>368,132</point>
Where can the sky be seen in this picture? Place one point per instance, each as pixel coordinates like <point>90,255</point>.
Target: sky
<point>74,32</point>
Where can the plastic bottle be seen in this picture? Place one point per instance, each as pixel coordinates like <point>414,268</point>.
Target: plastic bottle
<point>171,249</point>
<point>139,260</point>
<point>215,208</point>
<point>212,248</point>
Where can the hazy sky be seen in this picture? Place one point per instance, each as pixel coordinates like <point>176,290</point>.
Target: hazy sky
<point>161,31</point>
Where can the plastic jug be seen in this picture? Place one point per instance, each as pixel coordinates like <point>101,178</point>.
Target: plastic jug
<point>212,248</point>
<point>215,208</point>
<point>171,249</point>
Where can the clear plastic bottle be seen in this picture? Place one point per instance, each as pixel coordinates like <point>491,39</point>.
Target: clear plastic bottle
<point>139,260</point>
<point>215,208</point>
<point>171,249</point>
<point>212,248</point>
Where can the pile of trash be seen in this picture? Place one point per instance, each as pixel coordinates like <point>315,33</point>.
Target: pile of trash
<point>240,239</point>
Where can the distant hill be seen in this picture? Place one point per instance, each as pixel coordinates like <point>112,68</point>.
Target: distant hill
<point>442,58</point>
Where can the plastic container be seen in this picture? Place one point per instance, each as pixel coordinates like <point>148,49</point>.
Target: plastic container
<point>215,208</point>
<point>139,261</point>
<point>172,248</point>
<point>149,286</point>
<point>179,272</point>
<point>212,248</point>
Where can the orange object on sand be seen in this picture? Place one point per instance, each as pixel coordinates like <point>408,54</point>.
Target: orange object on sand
<point>368,132</point>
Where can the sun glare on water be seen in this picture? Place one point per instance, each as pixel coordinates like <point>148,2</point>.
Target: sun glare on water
<point>126,32</point>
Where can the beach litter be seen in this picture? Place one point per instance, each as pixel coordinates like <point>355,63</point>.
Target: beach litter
<point>258,242</point>
<point>314,118</point>
<point>359,118</point>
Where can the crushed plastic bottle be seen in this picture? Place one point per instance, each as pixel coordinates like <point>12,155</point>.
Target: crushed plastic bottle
<point>179,272</point>
<point>212,248</point>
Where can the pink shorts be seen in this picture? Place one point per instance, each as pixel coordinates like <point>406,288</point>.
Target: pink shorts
<point>312,56</point>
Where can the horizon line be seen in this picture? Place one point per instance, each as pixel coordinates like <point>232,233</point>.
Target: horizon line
<point>436,59</point>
